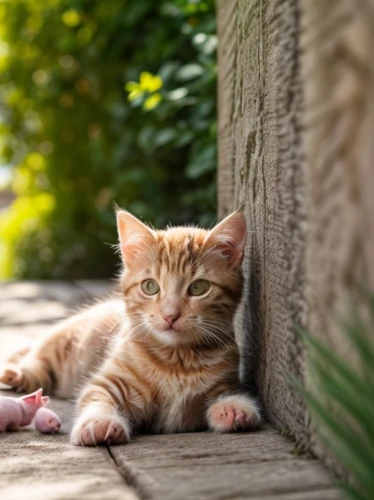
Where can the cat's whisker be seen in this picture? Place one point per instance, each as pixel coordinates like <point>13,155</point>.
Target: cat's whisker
<point>243,317</point>
<point>226,333</point>
<point>209,334</point>
<point>216,326</point>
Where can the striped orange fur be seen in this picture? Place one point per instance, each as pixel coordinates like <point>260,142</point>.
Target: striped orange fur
<point>162,357</point>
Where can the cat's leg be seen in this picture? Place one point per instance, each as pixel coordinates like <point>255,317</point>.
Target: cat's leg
<point>17,372</point>
<point>233,412</point>
<point>110,405</point>
<point>28,378</point>
<point>71,349</point>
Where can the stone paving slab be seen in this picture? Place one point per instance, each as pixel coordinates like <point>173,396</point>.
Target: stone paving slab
<point>206,466</point>
<point>192,466</point>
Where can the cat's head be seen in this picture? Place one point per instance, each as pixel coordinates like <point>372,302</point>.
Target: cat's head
<point>182,285</point>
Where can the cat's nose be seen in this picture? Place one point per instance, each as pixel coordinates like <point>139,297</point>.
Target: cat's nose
<point>171,318</point>
<point>170,309</point>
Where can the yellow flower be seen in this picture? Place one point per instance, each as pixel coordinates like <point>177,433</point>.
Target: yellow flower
<point>134,90</point>
<point>152,101</point>
<point>150,83</point>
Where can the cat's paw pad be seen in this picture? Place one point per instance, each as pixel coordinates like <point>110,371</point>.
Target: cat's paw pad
<point>96,431</point>
<point>233,413</point>
<point>12,375</point>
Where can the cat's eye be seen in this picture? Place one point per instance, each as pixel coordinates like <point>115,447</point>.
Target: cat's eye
<point>150,287</point>
<point>198,287</point>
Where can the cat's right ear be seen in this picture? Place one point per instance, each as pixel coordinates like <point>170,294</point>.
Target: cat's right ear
<point>134,236</point>
<point>229,237</point>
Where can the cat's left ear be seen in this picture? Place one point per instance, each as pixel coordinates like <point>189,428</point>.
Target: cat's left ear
<point>134,236</point>
<point>229,237</point>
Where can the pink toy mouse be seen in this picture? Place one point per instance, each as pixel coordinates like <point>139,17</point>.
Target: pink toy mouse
<point>16,413</point>
<point>47,421</point>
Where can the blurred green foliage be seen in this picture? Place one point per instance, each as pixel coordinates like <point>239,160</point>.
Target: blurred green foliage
<point>342,403</point>
<point>103,102</point>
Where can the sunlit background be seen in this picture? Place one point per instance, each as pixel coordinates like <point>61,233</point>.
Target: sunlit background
<point>102,102</point>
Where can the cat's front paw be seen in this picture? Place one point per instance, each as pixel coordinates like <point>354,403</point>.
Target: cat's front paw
<point>232,413</point>
<point>91,430</point>
<point>94,432</point>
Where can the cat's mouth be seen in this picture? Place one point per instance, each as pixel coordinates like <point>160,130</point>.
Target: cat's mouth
<point>169,335</point>
<point>170,329</point>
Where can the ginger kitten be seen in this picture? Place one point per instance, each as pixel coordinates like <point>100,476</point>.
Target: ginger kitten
<point>163,358</point>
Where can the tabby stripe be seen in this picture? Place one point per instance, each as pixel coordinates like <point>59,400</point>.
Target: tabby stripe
<point>95,393</point>
<point>190,246</point>
<point>129,288</point>
<point>122,387</point>
<point>141,386</point>
<point>112,385</point>
<point>233,295</point>
<point>136,381</point>
<point>179,262</point>
<point>185,262</point>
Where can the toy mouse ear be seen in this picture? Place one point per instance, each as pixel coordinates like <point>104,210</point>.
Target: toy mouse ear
<point>45,400</point>
<point>35,398</point>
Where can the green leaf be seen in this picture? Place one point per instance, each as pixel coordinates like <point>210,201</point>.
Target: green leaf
<point>165,136</point>
<point>202,163</point>
<point>342,405</point>
<point>189,72</point>
<point>146,138</point>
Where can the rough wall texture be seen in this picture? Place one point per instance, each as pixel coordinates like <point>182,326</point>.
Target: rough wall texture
<point>337,40</point>
<point>296,147</point>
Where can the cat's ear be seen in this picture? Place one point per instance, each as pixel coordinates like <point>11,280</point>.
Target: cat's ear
<point>134,236</point>
<point>229,237</point>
